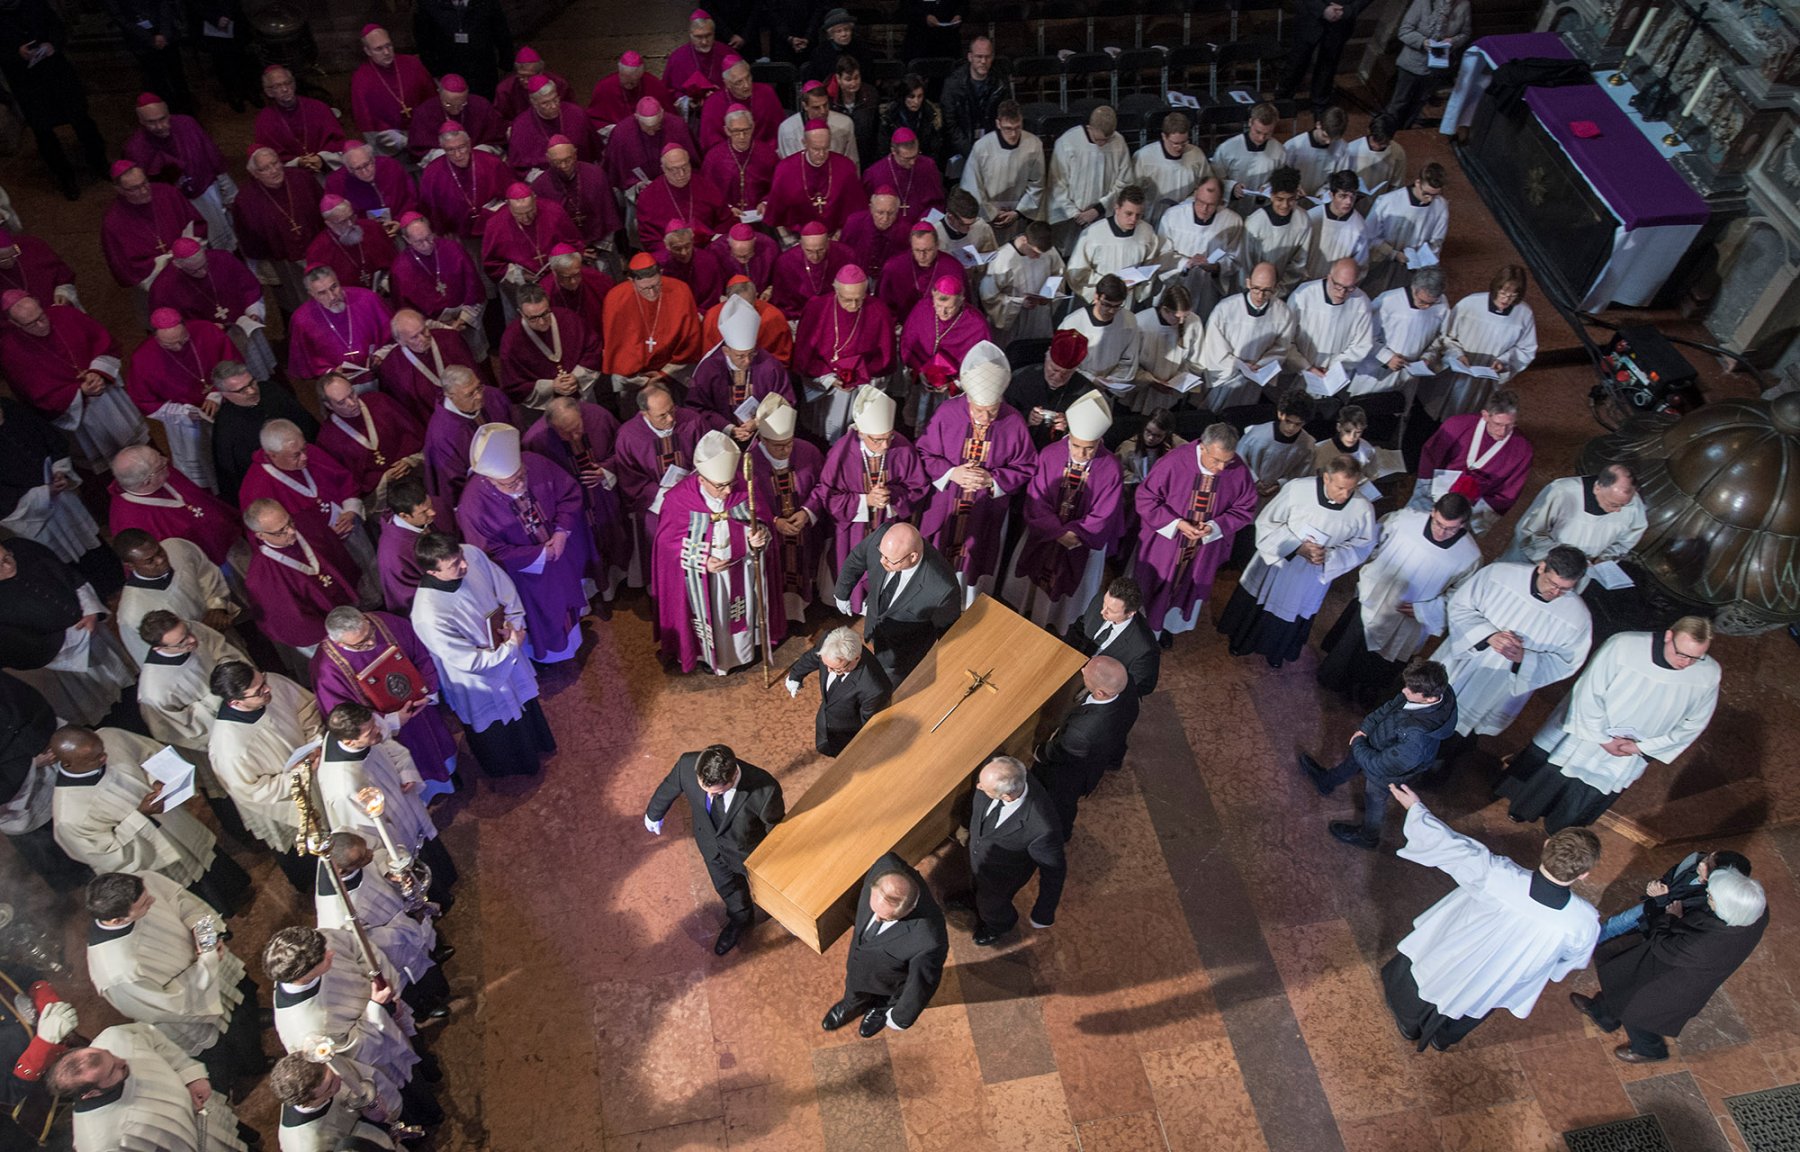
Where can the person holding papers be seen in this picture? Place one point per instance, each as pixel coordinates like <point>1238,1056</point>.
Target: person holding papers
<point>1643,695</point>
<point>1346,439</point>
<point>1281,449</point>
<point>1246,161</point>
<point>1482,456</point>
<point>1378,160</point>
<point>1333,333</point>
<point>1489,338</point>
<point>1168,355</point>
<point>1247,340</point>
<point>1406,229</point>
<point>1431,33</point>
<point>1320,152</point>
<point>1408,322</point>
<point>1338,229</point>
<point>1169,166</point>
<point>1124,241</point>
<point>1316,529</point>
<point>1005,171</point>
<point>1112,336</point>
<point>1019,283</point>
<point>1601,515</point>
<point>1209,239</point>
<point>1279,233</point>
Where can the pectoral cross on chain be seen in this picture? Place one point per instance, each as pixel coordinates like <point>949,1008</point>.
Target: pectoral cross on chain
<point>818,203</point>
<point>441,289</point>
<point>650,343</point>
<point>221,313</point>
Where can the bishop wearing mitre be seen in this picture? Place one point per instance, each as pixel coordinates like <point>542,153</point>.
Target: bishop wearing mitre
<point>871,476</point>
<point>708,550</point>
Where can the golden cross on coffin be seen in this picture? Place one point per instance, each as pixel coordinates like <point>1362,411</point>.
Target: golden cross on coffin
<point>977,681</point>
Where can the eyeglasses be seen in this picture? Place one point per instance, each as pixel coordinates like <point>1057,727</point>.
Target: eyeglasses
<point>1676,653</point>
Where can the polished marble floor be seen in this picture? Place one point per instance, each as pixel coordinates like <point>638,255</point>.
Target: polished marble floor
<point>1210,982</point>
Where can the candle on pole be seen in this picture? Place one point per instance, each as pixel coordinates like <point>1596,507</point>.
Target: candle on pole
<point>1643,29</point>
<point>374,802</point>
<point>1699,91</point>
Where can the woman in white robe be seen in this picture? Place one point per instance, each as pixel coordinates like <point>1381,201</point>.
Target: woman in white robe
<point>1493,329</point>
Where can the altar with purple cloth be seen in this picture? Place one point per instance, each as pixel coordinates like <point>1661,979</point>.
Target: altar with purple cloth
<point>1479,62</point>
<point>1598,210</point>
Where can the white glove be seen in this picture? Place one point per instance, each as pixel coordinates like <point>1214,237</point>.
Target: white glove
<point>514,274</point>
<point>793,687</point>
<point>843,606</point>
<point>607,480</point>
<point>57,1022</point>
<point>654,825</point>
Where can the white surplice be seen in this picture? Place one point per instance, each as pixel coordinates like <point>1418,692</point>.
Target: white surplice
<point>175,693</point>
<point>1401,329</point>
<point>149,971</point>
<point>1111,360</point>
<point>405,941</point>
<point>1408,567</point>
<point>1009,277</point>
<point>1165,353</point>
<point>1167,181</point>
<point>97,822</point>
<point>1186,236</point>
<point>1327,334</point>
<point>1284,243</point>
<point>1373,168</point>
<point>195,588</point>
<point>1334,239</point>
<point>1481,336</point>
<point>339,1006</point>
<point>1624,691</point>
<point>482,684</point>
<point>251,759</point>
<point>1238,162</point>
<point>1488,944</point>
<point>1235,336</point>
<point>1104,248</point>
<point>1084,174</point>
<point>1287,586</point>
<point>1272,460</point>
<point>1565,512</point>
<point>154,1112</point>
<point>1006,179</point>
<point>1490,691</point>
<point>389,767</point>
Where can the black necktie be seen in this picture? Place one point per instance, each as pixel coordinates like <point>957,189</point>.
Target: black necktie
<point>992,820</point>
<point>715,807</point>
<point>885,596</point>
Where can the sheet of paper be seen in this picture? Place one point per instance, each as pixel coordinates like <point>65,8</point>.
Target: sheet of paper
<point>1140,274</point>
<point>1334,381</point>
<point>1445,479</point>
<point>1217,256</point>
<point>1268,370</point>
<point>751,217</point>
<point>175,774</point>
<point>1052,286</point>
<point>970,258</point>
<point>933,216</point>
<point>745,410</point>
<point>1389,462</point>
<point>1430,615</point>
<point>1480,371</point>
<point>1374,189</point>
<point>494,205</point>
<point>379,213</point>
<point>1610,576</point>
<point>1242,97</point>
<point>1182,100</point>
<point>1187,382</point>
<point>1369,491</point>
<point>1419,368</point>
<point>1117,387</point>
<point>1421,257</point>
<point>1437,53</point>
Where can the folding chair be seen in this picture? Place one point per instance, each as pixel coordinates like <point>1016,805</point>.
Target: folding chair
<point>1088,76</point>
<point>1039,79</point>
<point>1139,70</point>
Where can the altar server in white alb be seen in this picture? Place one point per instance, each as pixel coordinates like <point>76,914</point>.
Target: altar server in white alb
<point>1321,151</point>
<point>145,959</point>
<point>1601,514</point>
<point>1205,241</point>
<point>1378,160</point>
<point>1494,942</point>
<point>1513,629</point>
<point>1246,161</point>
<point>408,939</point>
<point>1494,330</point>
<point>1402,598</point>
<point>1124,239</point>
<point>1169,167</point>
<point>1168,353</point>
<point>1012,286</point>
<point>1279,232</point>
<point>1316,529</point>
<point>1644,696</point>
<point>1005,171</point>
<point>1408,322</point>
<point>359,754</point>
<point>173,574</point>
<point>324,987</point>
<point>135,1090</point>
<point>262,719</point>
<point>469,617</point>
<point>1244,334</point>
<point>1333,333</point>
<point>1338,230</point>
<point>1413,219</point>
<point>1088,165</point>
<point>1072,519</point>
<point>1112,336</point>
<point>175,681</point>
<point>328,1107</point>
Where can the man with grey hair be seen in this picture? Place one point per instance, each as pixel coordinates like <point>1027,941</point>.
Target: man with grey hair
<point>1408,322</point>
<point>295,578</point>
<point>898,945</point>
<point>1091,740</point>
<point>317,490</point>
<point>851,689</point>
<point>1013,832</point>
<point>1600,514</point>
<point>1190,509</point>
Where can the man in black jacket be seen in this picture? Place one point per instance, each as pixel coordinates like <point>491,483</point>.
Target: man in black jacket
<point>972,95</point>
<point>851,689</point>
<point>1091,740</point>
<point>1013,831</point>
<point>733,804</point>
<point>467,37</point>
<point>912,598</point>
<point>897,950</point>
<point>1396,743</point>
<point>1114,625</point>
<point>1321,28</point>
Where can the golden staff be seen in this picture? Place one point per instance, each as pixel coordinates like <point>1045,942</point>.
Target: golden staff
<point>313,839</point>
<point>759,622</point>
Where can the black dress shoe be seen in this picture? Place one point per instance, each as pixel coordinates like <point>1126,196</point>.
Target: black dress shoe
<point>1630,1055</point>
<point>442,955</point>
<point>728,938</point>
<point>986,937</point>
<point>963,901</point>
<point>1585,1006</point>
<point>1352,834</point>
<point>1438,1045</point>
<point>1316,774</point>
<point>1411,1035</point>
<point>839,1015</point>
<point>441,1012</point>
<point>873,1021</point>
<point>1165,640</point>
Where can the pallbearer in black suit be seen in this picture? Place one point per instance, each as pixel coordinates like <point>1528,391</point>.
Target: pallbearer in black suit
<point>1013,831</point>
<point>912,597</point>
<point>851,689</point>
<point>734,804</point>
<point>1091,740</point>
<point>1114,625</point>
<point>897,951</point>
